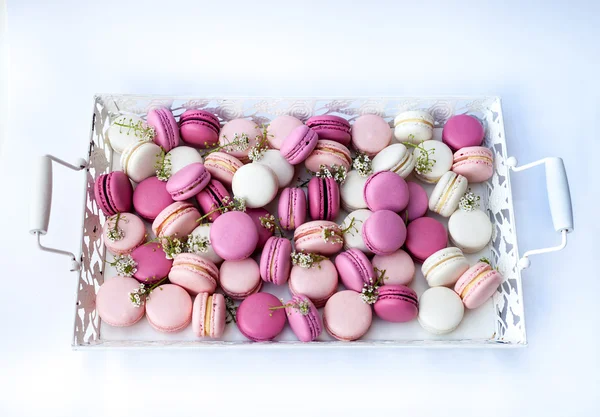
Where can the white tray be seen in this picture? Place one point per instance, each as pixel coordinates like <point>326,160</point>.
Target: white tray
<point>500,322</point>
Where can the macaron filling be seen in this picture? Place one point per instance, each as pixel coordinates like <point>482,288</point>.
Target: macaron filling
<point>413,120</point>
<point>447,192</point>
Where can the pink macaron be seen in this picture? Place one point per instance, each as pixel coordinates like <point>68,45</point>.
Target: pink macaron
<point>208,315</point>
<point>291,208</point>
<point>299,144</point>
<point>396,303</point>
<point>424,237</point>
<point>384,232</point>
<point>236,129</point>
<point>478,284</point>
<point>188,181</point>
<point>323,198</point>
<point>279,129</point>
<point>398,266</point>
<point>222,166</point>
<point>113,304</point>
<point>355,269</point>
<point>233,236</point>
<point>211,198</point>
<point>304,318</point>
<point>346,316</point>
<point>461,131</point>
<point>194,273</point>
<point>328,153</point>
<point>199,128</point>
<point>123,232</point>
<point>475,163</point>
<point>152,263</point>
<point>275,261</point>
<point>370,134</point>
<point>386,190</point>
<point>331,128</point>
<point>260,317</point>
<point>150,197</point>
<point>418,202</point>
<point>239,279</point>
<point>165,128</point>
<point>178,219</point>
<point>319,236</point>
<point>113,192</point>
<point>169,308</point>
<point>264,226</point>
<point>319,282</point>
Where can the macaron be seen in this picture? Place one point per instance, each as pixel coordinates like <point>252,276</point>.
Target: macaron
<point>234,236</point>
<point>370,134</point>
<point>169,308</point>
<point>436,156</point>
<point>418,202</point>
<point>384,232</point>
<point>182,156</point>
<point>123,232</point>
<point>125,130</point>
<point>113,304</point>
<point>201,234</point>
<point>478,284</point>
<point>352,191</point>
<point>447,193</point>
<point>113,193</point>
<point>328,153</point>
<point>424,237</point>
<point>138,161</point>
<point>151,263</point>
<point>319,236</point>
<point>275,261</point>
<point>265,227</point>
<point>240,279</point>
<point>475,163</point>
<point>471,230</point>
<point>199,128</point>
<point>331,128</point>
<point>304,318</point>
<point>291,208</point>
<point>354,269</point>
<point>150,197</point>
<point>222,166</point>
<point>440,310</point>
<point>299,144</point>
<point>260,317</point>
<point>178,219</point>
<point>279,129</point>
<point>213,197</point>
<point>396,303</point>
<point>318,283</point>
<point>235,130</point>
<point>398,266</point>
<point>386,191</point>
<point>194,273</point>
<point>188,182</point>
<point>353,235</point>
<point>461,131</point>
<point>208,315</point>
<point>444,267</point>
<point>165,128</point>
<point>346,316</point>
<point>283,170</point>
<point>413,126</point>
<point>256,184</point>
<point>395,158</point>
<point>323,198</point>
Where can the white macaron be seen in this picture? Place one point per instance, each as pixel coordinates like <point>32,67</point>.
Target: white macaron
<point>182,156</point>
<point>284,171</point>
<point>202,232</point>
<point>352,192</point>
<point>124,131</point>
<point>447,193</point>
<point>353,236</point>
<point>444,267</point>
<point>440,310</point>
<point>255,183</point>
<point>395,158</point>
<point>413,126</point>
<point>471,231</point>
<point>438,155</point>
<point>138,161</point>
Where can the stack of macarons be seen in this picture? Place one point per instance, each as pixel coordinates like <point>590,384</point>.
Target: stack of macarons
<point>206,211</point>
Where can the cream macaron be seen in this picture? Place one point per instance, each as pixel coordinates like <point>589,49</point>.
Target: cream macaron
<point>447,193</point>
<point>444,267</point>
<point>395,158</point>
<point>138,161</point>
<point>470,230</point>
<point>413,126</point>
<point>432,160</point>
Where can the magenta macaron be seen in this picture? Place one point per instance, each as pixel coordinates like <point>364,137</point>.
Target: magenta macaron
<point>355,269</point>
<point>234,236</point>
<point>113,304</point>
<point>264,227</point>
<point>323,198</point>
<point>194,273</point>
<point>260,317</point>
<point>113,192</point>
<point>424,237</point>
<point>346,316</point>
<point>299,144</point>
<point>169,308</point>
<point>478,284</point>
<point>150,197</point>
<point>418,202</point>
<point>275,261</point>
<point>199,128</point>
<point>151,263</point>
<point>331,127</point>
<point>209,315</point>
<point>304,318</point>
<point>188,181</point>
<point>461,131</point>
<point>475,163</point>
<point>177,219</point>
<point>211,198</point>
<point>396,303</point>
<point>165,128</point>
<point>291,208</point>
<point>386,190</point>
<point>328,153</point>
<point>384,232</point>
<point>123,232</point>
<point>319,236</point>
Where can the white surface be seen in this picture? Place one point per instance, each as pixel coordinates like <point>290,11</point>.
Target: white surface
<point>542,59</point>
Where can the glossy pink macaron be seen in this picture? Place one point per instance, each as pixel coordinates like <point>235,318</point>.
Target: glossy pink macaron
<point>194,273</point>
<point>150,197</point>
<point>275,261</point>
<point>318,282</point>
<point>291,208</point>
<point>165,127</point>
<point>424,237</point>
<point>211,198</point>
<point>235,129</point>
<point>177,219</point>
<point>386,190</point>
<point>418,202</point>
<point>384,232</point>
<point>299,144</point>
<point>169,308</point>
<point>279,129</point>
<point>304,318</point>
<point>208,315</point>
<point>113,192</point>
<point>239,279</point>
<point>319,236</point>
<point>188,181</point>
<point>396,303</point>
<point>222,166</point>
<point>331,127</point>
<point>258,320</point>
<point>199,128</point>
<point>398,266</point>
<point>346,316</point>
<point>123,232</point>
<point>328,153</point>
<point>113,304</point>
<point>475,163</point>
<point>355,269</point>
<point>234,236</point>
<point>265,227</point>
<point>461,131</point>
<point>370,134</point>
<point>478,284</point>
<point>152,263</point>
<point>323,198</point>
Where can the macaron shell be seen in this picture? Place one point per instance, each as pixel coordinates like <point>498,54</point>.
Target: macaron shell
<point>386,191</point>
<point>396,303</point>
<point>353,236</point>
<point>370,134</point>
<point>447,193</point>
<point>280,128</point>
<point>263,233</point>
<point>234,236</point>
<point>199,128</point>
<point>218,317</point>
<point>194,273</point>
<point>182,156</point>
<point>133,229</point>
<point>150,197</point>
<point>152,264</point>
<point>188,182</point>
<point>331,128</point>
<point>256,184</point>
<point>239,279</point>
<point>480,282</point>
<point>139,161</point>
<point>328,153</point>
<point>257,321</point>
<point>275,261</point>
<point>354,269</point>
<point>309,238</point>
<point>395,158</point>
<point>113,304</point>
<point>384,232</point>
<point>283,170</point>
<point>113,192</point>
<point>398,266</point>
<point>323,198</point>
<point>346,317</point>
<point>418,202</point>
<point>239,127</point>
<point>306,327</point>
<point>440,310</point>
<point>120,137</point>
<point>443,157</point>
<point>317,283</point>
<point>475,163</point>
<point>169,308</point>
<point>413,126</point>
<point>299,144</point>
<point>352,192</point>
<point>471,231</point>
<point>181,223</point>
<point>461,131</point>
<point>424,237</point>
<point>166,128</point>
<point>291,208</point>
<point>211,198</point>
<point>199,314</point>
<point>222,166</point>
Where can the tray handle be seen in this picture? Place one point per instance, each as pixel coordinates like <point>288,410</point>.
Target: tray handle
<point>42,202</point>
<point>559,199</point>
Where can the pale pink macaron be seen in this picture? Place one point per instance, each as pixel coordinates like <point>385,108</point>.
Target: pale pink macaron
<point>320,236</point>
<point>478,284</point>
<point>222,166</point>
<point>384,232</point>
<point>370,134</point>
<point>178,219</point>
<point>328,153</point>
<point>194,273</point>
<point>318,282</point>
<point>208,315</point>
<point>188,181</point>
<point>113,304</point>
<point>304,318</point>
<point>169,308</point>
<point>240,279</point>
<point>475,163</point>
<point>398,266</point>
<point>236,129</point>
<point>234,236</point>
<point>123,232</point>
<point>279,129</point>
<point>346,316</point>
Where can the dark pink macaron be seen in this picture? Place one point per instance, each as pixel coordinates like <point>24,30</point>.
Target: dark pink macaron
<point>299,144</point>
<point>304,318</point>
<point>331,127</point>
<point>418,202</point>
<point>291,208</point>
<point>384,232</point>
<point>199,128</point>
<point>386,190</point>
<point>233,236</point>
<point>152,263</point>
<point>461,131</point>
<point>212,197</point>
<point>260,317</point>
<point>323,198</point>
<point>264,233</point>
<point>275,260</point>
<point>355,269</point>
<point>150,197</point>
<point>424,237</point>
<point>113,193</point>
<point>188,181</point>
<point>396,303</point>
<point>165,127</point>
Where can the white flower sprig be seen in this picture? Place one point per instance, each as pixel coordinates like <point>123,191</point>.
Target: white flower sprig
<point>307,260</point>
<point>125,265</point>
<point>469,201</point>
<point>239,143</point>
<point>302,307</point>
<point>329,235</point>
<point>363,165</point>
<point>370,291</point>
<point>268,222</point>
<point>229,204</point>
<point>139,129</point>
<point>197,244</point>
<point>423,163</point>
<point>163,166</point>
<point>171,245</point>
<point>115,233</point>
<point>351,228</point>
<point>337,172</point>
<point>141,294</point>
<point>262,145</point>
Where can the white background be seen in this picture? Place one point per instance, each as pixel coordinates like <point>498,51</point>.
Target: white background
<point>542,58</point>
